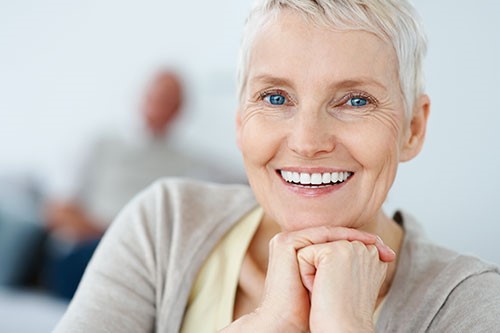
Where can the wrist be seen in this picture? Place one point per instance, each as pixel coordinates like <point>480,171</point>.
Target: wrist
<point>274,322</point>
<point>262,321</point>
<point>343,327</point>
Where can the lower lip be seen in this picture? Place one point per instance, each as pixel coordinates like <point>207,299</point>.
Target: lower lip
<point>314,191</point>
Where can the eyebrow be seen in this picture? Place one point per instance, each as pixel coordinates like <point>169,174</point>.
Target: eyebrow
<point>273,80</point>
<point>360,81</point>
<point>346,83</point>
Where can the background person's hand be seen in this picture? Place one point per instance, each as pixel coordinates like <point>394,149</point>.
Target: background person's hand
<point>286,304</point>
<point>344,280</point>
<point>69,221</point>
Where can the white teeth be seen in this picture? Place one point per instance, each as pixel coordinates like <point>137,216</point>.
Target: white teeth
<point>315,178</point>
<point>335,177</point>
<point>327,177</point>
<point>305,178</point>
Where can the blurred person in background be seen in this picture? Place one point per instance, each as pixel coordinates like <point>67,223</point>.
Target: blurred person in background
<point>113,172</point>
<point>115,168</point>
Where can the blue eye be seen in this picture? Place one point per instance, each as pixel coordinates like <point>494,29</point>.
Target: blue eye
<point>275,99</point>
<point>357,101</point>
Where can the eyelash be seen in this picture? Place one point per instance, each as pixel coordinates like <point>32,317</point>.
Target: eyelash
<point>372,101</point>
<point>266,93</point>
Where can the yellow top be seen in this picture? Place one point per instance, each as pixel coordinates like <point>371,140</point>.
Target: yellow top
<point>211,302</point>
<point>376,314</point>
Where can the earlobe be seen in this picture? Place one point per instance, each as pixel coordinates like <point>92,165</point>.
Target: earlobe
<point>415,137</point>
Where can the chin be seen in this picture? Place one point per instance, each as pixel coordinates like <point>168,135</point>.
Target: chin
<point>294,220</point>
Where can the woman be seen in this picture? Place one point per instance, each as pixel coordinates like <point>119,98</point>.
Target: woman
<point>331,101</point>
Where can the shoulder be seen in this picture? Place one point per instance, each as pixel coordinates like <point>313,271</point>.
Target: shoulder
<point>178,203</point>
<point>148,259</point>
<point>196,196</point>
<point>186,219</point>
<point>433,284</point>
<point>175,215</point>
<point>472,306</point>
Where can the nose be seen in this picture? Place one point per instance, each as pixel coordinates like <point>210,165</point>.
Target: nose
<point>311,134</point>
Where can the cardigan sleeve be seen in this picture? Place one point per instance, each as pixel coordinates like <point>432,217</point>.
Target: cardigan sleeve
<point>472,306</point>
<point>117,292</point>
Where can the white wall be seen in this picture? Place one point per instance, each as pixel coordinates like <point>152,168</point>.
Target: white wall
<point>71,68</point>
<point>453,186</point>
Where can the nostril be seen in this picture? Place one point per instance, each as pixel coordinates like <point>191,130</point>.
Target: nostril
<point>311,141</point>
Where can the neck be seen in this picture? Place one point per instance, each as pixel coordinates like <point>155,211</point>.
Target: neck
<point>392,234</point>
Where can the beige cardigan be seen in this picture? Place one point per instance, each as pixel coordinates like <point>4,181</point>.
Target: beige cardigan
<point>141,275</point>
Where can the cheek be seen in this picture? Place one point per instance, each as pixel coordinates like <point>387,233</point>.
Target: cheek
<point>375,148</point>
<point>259,141</point>
<point>375,142</point>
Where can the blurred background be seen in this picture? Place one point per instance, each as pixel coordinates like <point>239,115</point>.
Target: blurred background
<point>73,71</point>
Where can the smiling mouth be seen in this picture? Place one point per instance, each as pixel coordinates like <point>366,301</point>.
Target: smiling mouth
<point>315,180</point>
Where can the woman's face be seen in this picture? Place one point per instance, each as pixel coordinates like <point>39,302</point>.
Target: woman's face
<point>321,125</point>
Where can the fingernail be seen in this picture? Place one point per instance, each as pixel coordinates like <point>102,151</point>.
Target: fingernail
<point>380,241</point>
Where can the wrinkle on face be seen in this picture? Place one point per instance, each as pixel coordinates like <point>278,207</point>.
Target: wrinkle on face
<point>317,69</point>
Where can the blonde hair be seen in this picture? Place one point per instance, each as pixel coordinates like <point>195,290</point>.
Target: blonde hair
<point>394,21</point>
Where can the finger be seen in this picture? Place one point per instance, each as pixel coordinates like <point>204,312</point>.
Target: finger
<point>347,279</point>
<point>386,254</point>
<point>307,270</point>
<point>317,235</point>
<point>324,234</point>
<point>310,258</point>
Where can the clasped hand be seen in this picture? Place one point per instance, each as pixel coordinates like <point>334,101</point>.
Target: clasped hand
<point>322,279</point>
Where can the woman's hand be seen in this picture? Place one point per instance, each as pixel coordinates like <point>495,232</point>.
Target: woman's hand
<point>286,305</point>
<point>344,280</point>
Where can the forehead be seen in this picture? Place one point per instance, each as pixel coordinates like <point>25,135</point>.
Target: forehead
<point>162,85</point>
<point>165,80</point>
<point>291,47</point>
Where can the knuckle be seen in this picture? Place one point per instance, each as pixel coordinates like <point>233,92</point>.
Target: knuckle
<point>357,245</point>
<point>328,251</point>
<point>372,249</point>
<point>342,232</point>
<point>326,230</point>
<point>280,239</point>
<point>344,248</point>
<point>362,249</point>
<point>303,254</point>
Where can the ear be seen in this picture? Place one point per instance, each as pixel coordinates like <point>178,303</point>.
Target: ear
<point>238,129</point>
<point>415,135</point>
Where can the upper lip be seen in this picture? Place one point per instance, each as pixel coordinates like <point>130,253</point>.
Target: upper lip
<point>314,169</point>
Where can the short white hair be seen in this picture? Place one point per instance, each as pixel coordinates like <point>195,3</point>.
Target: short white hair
<point>394,21</point>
